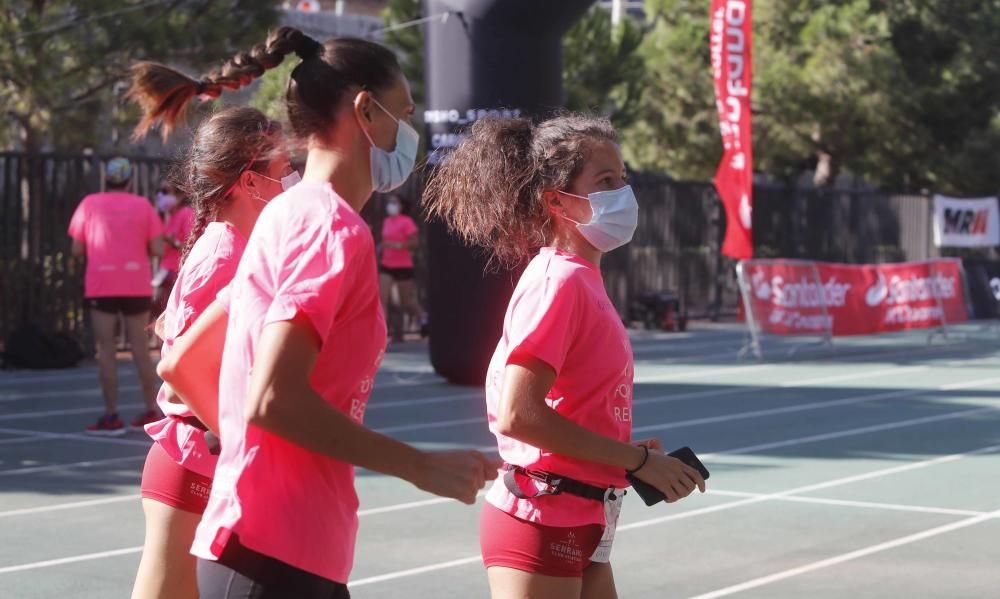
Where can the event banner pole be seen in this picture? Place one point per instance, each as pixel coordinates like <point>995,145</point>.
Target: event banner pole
<point>730,43</point>
<point>754,346</point>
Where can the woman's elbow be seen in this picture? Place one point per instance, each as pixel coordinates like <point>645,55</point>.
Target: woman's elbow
<point>261,409</point>
<point>166,369</point>
<point>510,423</point>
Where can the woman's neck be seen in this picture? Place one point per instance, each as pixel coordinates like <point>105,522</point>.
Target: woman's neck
<point>575,244</point>
<point>240,215</point>
<point>347,172</point>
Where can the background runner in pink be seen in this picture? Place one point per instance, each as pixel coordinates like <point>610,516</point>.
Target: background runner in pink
<point>116,228</point>
<point>310,253</point>
<point>561,314</point>
<point>398,229</point>
<point>178,226</point>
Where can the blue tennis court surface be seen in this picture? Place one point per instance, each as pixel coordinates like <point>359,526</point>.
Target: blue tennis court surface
<point>872,471</point>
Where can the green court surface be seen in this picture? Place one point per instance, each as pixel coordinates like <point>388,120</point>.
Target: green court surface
<point>872,471</point>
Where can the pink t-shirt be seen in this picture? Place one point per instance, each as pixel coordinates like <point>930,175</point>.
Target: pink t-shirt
<point>309,253</point>
<point>560,313</point>
<point>179,225</point>
<point>209,267</point>
<point>116,228</point>
<point>399,228</point>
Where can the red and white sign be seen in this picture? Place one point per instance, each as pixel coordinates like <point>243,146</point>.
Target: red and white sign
<point>730,42</point>
<point>966,222</point>
<point>787,298</point>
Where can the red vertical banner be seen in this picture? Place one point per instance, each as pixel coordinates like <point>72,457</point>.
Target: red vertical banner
<point>730,42</point>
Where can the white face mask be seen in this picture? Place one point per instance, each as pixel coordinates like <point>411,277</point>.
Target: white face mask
<point>165,202</point>
<point>287,182</point>
<point>392,209</point>
<point>615,218</point>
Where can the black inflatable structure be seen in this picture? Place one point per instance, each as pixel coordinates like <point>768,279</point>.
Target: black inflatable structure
<point>488,57</point>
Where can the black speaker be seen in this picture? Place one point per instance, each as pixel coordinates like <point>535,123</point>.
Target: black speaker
<point>487,57</point>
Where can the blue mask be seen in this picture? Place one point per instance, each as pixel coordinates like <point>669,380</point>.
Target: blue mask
<point>391,169</point>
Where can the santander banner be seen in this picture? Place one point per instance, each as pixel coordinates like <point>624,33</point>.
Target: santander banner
<point>729,45</point>
<point>787,298</point>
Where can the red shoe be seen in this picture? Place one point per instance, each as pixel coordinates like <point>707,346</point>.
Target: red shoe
<point>145,418</point>
<point>109,425</point>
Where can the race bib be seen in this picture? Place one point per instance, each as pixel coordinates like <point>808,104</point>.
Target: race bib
<point>612,508</point>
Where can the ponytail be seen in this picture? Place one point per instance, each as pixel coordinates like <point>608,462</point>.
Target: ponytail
<point>488,190</point>
<point>163,93</point>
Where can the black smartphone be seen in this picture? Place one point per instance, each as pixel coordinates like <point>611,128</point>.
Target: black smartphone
<point>650,494</point>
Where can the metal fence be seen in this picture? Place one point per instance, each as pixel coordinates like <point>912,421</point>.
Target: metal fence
<point>676,247</point>
<point>40,280</point>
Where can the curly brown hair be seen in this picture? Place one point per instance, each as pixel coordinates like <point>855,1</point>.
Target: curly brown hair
<point>488,191</point>
<point>325,73</point>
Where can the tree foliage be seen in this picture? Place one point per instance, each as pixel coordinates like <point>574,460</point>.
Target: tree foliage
<point>905,94</point>
<point>603,71</point>
<point>407,41</point>
<point>60,59</point>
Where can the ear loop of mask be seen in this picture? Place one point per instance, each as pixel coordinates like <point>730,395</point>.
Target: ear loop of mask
<point>379,104</point>
<point>253,159</point>
<point>563,216</point>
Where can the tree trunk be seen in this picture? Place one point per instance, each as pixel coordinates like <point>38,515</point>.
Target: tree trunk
<point>32,192</point>
<point>827,169</point>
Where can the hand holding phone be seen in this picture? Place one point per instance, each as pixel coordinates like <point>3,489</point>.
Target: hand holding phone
<point>664,471</point>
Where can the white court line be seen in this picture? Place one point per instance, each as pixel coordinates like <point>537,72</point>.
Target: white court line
<point>69,506</point>
<point>70,560</point>
<point>373,405</point>
<point>424,401</point>
<point>411,572</point>
<point>846,557</point>
<point>902,393</point>
<point>852,432</point>
<point>654,378</point>
<point>472,559</point>
<point>64,412</point>
<point>132,497</point>
<point>876,505</point>
<point>48,378</point>
<point>427,425</point>
<point>26,439</point>
<point>84,464</point>
<point>44,435</point>
<point>818,405</point>
<point>803,383</point>
<point>25,396</point>
<point>709,510</point>
<point>28,395</point>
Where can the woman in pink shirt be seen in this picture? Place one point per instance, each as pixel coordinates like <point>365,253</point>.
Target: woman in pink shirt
<point>235,166</point>
<point>399,239</point>
<point>559,387</point>
<point>297,337</point>
<point>178,218</point>
<point>118,232</point>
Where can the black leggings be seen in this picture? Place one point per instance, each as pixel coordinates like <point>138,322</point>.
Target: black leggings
<point>242,573</point>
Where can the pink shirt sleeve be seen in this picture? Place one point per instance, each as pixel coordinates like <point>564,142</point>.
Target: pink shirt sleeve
<point>543,321</point>
<point>411,227</point>
<point>153,223</point>
<point>78,223</point>
<point>310,279</point>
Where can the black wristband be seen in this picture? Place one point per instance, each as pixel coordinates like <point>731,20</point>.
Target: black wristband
<point>645,457</point>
